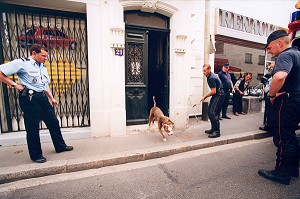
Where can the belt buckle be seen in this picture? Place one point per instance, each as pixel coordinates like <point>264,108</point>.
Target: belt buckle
<point>30,92</point>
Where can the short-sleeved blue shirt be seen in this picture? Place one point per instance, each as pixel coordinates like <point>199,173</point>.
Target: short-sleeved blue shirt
<point>226,79</point>
<point>289,61</point>
<point>214,81</point>
<point>30,74</point>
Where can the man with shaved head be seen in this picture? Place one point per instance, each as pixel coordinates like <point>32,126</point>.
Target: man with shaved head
<point>284,95</point>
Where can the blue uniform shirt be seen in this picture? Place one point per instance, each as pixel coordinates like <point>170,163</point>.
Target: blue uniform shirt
<point>30,74</point>
<point>289,61</point>
<point>214,81</point>
<point>226,79</point>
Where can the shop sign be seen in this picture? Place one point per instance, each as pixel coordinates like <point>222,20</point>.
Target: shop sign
<point>245,24</point>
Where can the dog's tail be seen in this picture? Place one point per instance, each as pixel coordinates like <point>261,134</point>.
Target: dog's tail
<point>154,105</point>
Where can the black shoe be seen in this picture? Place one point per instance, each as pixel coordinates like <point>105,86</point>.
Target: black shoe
<point>210,131</point>
<point>226,117</point>
<point>262,128</point>
<point>276,176</point>
<point>40,160</point>
<point>67,148</point>
<point>214,134</point>
<point>265,128</point>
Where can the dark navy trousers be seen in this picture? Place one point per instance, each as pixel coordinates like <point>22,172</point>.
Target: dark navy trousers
<point>285,118</point>
<point>214,109</point>
<point>225,102</point>
<point>36,110</point>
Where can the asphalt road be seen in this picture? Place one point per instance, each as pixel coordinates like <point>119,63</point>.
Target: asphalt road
<point>228,171</point>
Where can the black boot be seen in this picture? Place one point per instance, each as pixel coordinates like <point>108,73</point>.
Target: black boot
<point>294,173</point>
<point>215,134</point>
<point>276,176</point>
<point>210,131</point>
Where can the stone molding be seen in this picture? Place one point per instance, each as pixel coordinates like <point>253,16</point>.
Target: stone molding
<point>149,6</point>
<point>181,43</point>
<point>117,38</point>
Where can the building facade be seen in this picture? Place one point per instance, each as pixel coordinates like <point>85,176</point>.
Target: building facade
<point>108,58</point>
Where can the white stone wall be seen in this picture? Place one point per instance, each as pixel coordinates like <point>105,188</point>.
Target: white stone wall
<point>107,89</point>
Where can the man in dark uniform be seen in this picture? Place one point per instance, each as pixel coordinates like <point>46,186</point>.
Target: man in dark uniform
<point>227,87</point>
<point>216,100</point>
<point>284,95</point>
<point>33,96</point>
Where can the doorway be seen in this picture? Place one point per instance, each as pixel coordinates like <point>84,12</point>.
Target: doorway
<point>158,71</point>
<point>146,64</point>
<point>147,73</point>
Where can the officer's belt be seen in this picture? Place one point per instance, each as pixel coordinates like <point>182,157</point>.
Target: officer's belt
<point>31,92</point>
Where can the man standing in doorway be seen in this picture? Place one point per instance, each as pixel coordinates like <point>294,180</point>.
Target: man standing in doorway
<point>34,96</point>
<point>217,97</point>
<point>284,96</point>
<point>227,87</point>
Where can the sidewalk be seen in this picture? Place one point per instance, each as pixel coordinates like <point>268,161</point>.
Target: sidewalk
<point>90,153</point>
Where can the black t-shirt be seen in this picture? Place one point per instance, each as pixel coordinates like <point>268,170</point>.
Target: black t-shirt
<point>289,61</point>
<point>214,81</point>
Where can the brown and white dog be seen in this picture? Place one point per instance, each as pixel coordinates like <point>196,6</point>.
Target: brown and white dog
<point>163,121</point>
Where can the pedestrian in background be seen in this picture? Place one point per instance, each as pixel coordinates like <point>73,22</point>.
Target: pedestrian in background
<point>217,97</point>
<point>284,96</point>
<point>225,78</point>
<point>266,79</point>
<point>240,88</point>
<point>34,92</point>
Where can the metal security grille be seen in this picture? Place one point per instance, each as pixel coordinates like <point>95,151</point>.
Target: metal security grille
<point>64,34</point>
<point>135,64</point>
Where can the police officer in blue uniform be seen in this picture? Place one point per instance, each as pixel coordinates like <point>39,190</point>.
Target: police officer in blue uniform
<point>284,96</point>
<point>216,101</point>
<point>34,95</point>
<point>227,87</point>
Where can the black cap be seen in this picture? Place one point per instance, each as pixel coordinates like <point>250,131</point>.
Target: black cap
<point>226,65</point>
<point>275,35</point>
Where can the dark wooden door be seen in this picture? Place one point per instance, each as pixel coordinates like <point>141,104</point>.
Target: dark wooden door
<point>136,76</point>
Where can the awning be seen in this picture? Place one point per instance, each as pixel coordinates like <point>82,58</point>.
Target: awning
<point>219,62</point>
<point>234,69</point>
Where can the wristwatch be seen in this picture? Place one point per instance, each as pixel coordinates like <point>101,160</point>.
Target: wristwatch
<point>14,84</point>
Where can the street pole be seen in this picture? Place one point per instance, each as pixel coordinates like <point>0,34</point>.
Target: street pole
<point>206,57</point>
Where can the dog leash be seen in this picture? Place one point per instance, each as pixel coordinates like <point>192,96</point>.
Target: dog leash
<point>186,111</point>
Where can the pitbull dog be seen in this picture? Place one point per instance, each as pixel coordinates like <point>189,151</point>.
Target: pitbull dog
<point>163,121</point>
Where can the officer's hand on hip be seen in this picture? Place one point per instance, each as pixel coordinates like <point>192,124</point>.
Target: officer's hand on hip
<point>19,87</point>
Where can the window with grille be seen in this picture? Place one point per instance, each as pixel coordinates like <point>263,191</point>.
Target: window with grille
<point>261,60</point>
<point>248,58</point>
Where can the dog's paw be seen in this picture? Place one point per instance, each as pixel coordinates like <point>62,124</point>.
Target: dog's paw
<point>165,139</point>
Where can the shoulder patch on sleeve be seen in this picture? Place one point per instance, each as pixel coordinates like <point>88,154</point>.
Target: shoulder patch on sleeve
<point>25,59</point>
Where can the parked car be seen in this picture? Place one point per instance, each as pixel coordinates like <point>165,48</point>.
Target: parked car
<point>49,37</point>
<point>256,90</point>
